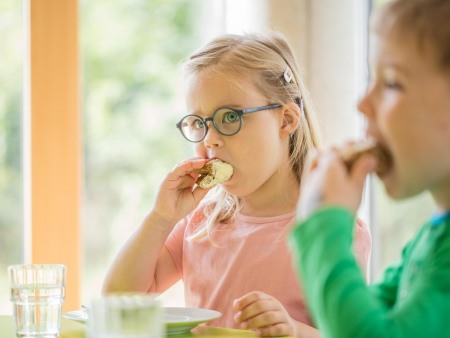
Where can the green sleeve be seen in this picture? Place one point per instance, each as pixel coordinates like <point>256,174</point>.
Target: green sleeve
<point>386,289</point>
<point>343,306</point>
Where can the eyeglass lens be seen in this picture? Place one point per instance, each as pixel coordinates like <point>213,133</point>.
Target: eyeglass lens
<point>225,120</point>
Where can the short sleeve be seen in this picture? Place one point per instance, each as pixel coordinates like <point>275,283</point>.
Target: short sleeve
<point>174,243</point>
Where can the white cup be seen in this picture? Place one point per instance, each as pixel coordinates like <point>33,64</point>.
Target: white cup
<point>125,316</point>
<point>37,295</point>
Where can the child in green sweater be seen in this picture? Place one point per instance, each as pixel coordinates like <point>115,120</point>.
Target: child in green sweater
<point>407,108</point>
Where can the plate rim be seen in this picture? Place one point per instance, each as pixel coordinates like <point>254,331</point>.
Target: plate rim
<point>213,314</point>
<point>80,316</point>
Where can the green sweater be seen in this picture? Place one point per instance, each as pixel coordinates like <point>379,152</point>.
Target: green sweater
<point>412,300</point>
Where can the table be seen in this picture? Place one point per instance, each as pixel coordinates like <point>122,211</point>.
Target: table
<point>72,329</point>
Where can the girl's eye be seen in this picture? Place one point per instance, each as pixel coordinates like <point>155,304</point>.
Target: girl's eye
<point>198,124</point>
<point>230,117</point>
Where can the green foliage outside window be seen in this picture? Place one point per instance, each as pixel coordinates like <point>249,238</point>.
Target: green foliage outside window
<point>131,56</point>
<point>11,220</point>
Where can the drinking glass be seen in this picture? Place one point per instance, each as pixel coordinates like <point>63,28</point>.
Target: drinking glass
<point>37,295</point>
<point>125,316</point>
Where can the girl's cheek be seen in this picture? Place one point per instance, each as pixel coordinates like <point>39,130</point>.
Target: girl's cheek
<point>200,150</point>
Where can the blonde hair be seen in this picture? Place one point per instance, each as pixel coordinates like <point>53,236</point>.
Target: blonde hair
<point>427,22</point>
<point>269,61</point>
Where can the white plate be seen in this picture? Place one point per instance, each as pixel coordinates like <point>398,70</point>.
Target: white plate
<point>183,319</point>
<point>77,315</point>
<point>178,319</point>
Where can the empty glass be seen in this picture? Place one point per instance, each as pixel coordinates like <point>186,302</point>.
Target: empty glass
<point>37,295</point>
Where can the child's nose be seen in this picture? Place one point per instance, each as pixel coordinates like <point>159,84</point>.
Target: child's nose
<point>213,138</point>
<point>365,105</point>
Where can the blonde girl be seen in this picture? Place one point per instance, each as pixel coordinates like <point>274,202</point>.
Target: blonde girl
<point>247,106</point>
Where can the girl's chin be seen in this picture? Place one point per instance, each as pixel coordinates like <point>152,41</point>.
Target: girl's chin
<point>229,189</point>
<point>234,190</point>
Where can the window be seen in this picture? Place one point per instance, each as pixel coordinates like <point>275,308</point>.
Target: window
<point>132,98</point>
<point>131,53</point>
<point>11,219</point>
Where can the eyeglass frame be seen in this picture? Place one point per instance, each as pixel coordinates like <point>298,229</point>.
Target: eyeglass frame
<point>240,113</point>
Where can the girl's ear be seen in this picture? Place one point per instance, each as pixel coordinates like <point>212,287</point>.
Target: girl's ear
<point>290,114</point>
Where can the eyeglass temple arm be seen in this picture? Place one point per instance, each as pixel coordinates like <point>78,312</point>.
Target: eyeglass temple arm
<point>252,110</point>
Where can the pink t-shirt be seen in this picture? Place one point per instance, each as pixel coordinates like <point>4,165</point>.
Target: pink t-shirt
<point>250,255</point>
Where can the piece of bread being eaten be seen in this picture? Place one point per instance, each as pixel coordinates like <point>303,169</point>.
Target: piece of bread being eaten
<point>352,152</point>
<point>214,172</point>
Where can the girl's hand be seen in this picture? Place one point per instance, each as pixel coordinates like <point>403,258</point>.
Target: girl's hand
<point>326,182</point>
<point>264,314</point>
<point>177,197</point>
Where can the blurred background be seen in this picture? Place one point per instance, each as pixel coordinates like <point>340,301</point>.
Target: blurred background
<point>131,97</point>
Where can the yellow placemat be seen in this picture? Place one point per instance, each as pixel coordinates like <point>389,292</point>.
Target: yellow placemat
<point>72,329</point>
<point>69,329</point>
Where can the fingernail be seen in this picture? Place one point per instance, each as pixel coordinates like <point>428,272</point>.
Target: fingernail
<point>237,317</point>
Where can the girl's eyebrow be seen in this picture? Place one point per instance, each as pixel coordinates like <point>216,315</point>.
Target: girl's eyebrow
<point>234,106</point>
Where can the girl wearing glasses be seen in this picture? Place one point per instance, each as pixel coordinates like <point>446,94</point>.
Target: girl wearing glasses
<point>247,106</point>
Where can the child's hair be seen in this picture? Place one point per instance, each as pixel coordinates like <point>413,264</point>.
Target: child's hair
<point>427,22</point>
<point>269,63</point>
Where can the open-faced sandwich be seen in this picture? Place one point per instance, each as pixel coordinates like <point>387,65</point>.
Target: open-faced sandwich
<point>214,172</point>
<point>352,152</point>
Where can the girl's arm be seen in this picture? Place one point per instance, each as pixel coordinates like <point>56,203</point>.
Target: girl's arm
<point>144,264</point>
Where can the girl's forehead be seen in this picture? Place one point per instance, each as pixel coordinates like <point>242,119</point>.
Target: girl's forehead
<point>227,79</point>
<point>220,87</point>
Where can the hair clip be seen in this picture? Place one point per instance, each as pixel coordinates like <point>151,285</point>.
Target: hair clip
<point>287,76</point>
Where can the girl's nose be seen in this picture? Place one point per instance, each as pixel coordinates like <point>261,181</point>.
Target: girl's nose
<point>213,138</point>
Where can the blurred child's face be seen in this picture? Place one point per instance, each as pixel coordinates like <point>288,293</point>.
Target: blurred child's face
<point>258,150</point>
<point>408,111</point>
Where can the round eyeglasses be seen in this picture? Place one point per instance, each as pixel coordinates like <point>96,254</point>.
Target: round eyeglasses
<point>227,121</point>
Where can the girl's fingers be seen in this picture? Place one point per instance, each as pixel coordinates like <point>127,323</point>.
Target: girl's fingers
<point>255,309</point>
<point>185,183</point>
<point>184,175</point>
<point>186,168</point>
<point>264,319</point>
<point>248,299</point>
<point>280,329</point>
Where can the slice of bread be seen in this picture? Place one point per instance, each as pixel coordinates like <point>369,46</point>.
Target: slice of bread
<point>351,153</point>
<point>214,172</point>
